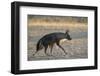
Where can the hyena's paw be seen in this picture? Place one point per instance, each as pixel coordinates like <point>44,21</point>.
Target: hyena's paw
<point>49,55</point>
<point>66,54</point>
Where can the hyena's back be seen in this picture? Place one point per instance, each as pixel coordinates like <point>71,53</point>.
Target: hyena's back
<point>52,38</point>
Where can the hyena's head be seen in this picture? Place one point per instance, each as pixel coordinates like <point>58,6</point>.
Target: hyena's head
<point>67,35</point>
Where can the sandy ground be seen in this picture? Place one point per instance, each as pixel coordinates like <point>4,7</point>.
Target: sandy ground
<point>76,48</point>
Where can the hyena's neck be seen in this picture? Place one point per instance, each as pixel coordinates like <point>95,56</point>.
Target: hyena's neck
<point>63,40</point>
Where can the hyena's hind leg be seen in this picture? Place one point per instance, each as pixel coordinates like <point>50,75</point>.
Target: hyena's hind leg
<point>51,47</point>
<point>45,50</point>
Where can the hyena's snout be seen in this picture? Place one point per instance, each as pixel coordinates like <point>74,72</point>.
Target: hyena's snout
<point>70,38</point>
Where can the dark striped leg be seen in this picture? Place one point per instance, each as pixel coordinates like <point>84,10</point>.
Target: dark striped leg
<point>61,48</point>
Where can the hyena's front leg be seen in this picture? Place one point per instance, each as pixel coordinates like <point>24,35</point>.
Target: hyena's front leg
<point>61,48</point>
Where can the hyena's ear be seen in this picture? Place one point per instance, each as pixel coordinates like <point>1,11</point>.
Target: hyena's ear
<point>67,31</point>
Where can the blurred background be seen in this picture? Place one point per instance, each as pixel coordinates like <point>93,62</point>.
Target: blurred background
<point>40,25</point>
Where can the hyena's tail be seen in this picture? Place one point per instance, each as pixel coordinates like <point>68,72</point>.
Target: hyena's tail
<point>39,45</point>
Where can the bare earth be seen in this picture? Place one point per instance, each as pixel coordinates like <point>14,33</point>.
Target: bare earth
<point>76,48</point>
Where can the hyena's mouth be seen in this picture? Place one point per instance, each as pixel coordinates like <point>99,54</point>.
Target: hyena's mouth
<point>70,39</point>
